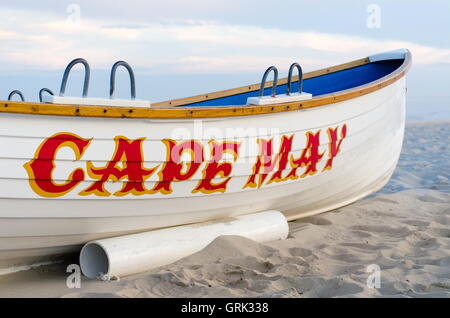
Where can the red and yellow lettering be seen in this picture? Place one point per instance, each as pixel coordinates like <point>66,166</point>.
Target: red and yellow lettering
<point>129,152</point>
<point>309,158</point>
<point>283,159</point>
<point>214,168</point>
<point>127,164</point>
<point>334,146</point>
<point>176,170</point>
<point>40,168</point>
<point>266,161</point>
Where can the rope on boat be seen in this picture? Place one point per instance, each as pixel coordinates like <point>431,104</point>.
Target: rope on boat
<point>300,78</point>
<point>275,81</point>
<point>44,90</point>
<point>16,92</point>
<point>87,75</point>
<point>113,79</point>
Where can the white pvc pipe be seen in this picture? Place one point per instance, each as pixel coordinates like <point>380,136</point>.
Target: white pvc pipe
<point>131,254</point>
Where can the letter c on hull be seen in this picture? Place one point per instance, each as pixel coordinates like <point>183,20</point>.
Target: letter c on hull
<point>41,167</point>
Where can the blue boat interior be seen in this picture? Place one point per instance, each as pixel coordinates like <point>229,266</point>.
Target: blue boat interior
<point>320,85</point>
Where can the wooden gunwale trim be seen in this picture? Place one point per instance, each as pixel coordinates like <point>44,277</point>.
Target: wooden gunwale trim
<point>256,86</point>
<point>203,112</point>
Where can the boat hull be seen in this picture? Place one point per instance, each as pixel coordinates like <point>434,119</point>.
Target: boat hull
<point>35,223</point>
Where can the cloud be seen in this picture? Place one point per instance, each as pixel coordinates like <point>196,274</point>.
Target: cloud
<point>235,64</point>
<point>187,46</point>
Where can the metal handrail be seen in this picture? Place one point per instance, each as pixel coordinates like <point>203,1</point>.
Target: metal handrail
<point>275,81</point>
<point>300,78</point>
<point>42,91</point>
<point>113,79</point>
<point>87,74</point>
<point>16,92</point>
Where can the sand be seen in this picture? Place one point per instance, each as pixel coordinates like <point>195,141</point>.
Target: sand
<point>404,230</point>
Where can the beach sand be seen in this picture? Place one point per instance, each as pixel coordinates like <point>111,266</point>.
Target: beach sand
<point>404,230</point>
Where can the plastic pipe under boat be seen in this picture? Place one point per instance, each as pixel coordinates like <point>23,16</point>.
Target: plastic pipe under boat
<point>135,253</point>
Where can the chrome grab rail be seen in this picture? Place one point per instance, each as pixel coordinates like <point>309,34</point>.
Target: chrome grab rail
<point>300,78</point>
<point>275,81</point>
<point>87,74</point>
<point>16,92</point>
<point>46,90</point>
<point>113,79</point>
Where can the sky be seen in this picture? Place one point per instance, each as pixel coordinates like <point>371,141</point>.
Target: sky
<point>181,48</point>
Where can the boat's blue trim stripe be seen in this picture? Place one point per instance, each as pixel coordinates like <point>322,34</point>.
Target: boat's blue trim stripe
<point>325,84</point>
